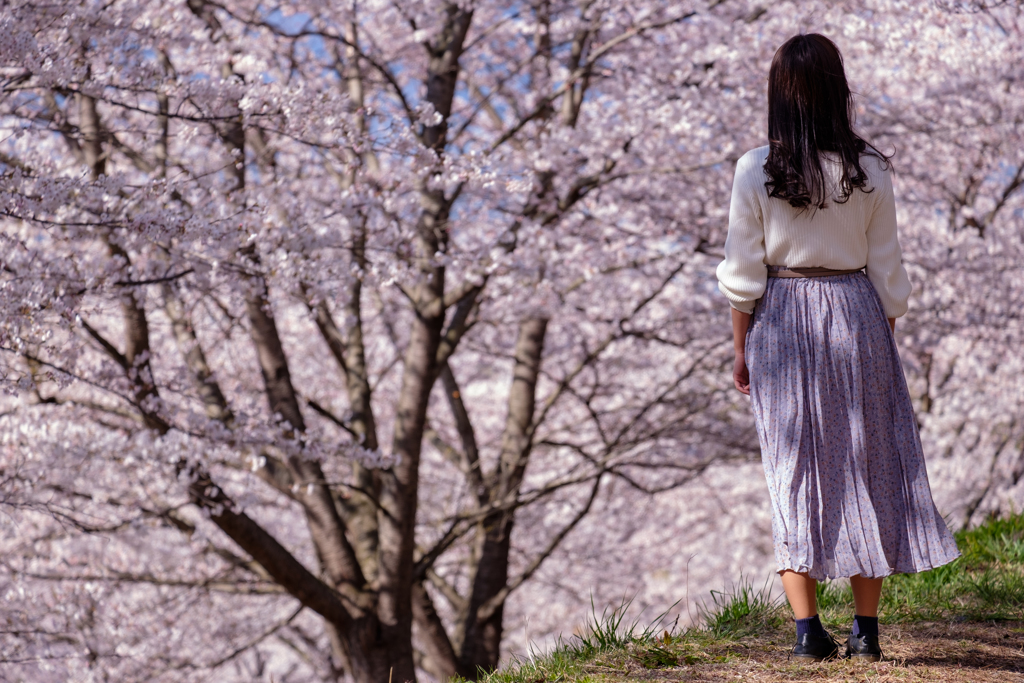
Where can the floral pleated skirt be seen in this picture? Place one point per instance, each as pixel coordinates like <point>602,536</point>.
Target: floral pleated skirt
<point>839,440</point>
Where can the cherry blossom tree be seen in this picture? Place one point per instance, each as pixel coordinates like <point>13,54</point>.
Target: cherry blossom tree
<point>327,328</point>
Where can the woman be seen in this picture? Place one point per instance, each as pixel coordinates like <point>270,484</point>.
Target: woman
<point>841,452</point>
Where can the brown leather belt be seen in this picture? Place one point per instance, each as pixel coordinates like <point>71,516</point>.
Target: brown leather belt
<point>782,271</point>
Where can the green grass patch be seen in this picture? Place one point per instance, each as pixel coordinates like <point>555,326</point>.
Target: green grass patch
<point>998,541</point>
<point>604,637</point>
<point>743,611</point>
<point>986,583</point>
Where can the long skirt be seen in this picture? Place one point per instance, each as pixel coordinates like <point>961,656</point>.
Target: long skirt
<point>839,440</point>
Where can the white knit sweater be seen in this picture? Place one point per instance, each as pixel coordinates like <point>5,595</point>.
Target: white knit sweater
<point>767,231</point>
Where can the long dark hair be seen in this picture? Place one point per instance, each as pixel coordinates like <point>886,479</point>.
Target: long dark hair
<point>810,110</point>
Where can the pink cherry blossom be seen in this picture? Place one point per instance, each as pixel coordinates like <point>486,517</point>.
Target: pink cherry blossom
<point>368,340</point>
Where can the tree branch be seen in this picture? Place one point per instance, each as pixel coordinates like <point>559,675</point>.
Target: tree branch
<point>265,549</point>
<point>441,658</point>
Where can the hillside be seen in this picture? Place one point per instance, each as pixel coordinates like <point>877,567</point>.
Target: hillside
<point>962,622</point>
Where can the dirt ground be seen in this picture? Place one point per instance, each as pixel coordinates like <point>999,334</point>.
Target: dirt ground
<point>968,652</point>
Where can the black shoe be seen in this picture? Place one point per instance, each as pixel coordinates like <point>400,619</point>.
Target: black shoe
<point>816,648</point>
<point>863,648</point>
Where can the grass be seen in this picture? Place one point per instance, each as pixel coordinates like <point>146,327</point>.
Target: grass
<point>745,632</point>
<point>744,611</point>
<point>602,634</point>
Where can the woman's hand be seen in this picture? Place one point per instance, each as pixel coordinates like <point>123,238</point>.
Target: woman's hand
<point>740,375</point>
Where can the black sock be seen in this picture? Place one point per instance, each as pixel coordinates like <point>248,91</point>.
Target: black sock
<point>864,626</point>
<point>811,625</point>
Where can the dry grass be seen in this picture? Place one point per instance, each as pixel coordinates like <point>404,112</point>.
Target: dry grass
<point>968,652</point>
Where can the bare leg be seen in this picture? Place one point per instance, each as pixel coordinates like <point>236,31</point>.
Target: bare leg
<point>800,589</point>
<point>866,594</point>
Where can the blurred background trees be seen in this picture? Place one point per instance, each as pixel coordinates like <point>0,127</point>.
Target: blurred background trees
<point>340,339</point>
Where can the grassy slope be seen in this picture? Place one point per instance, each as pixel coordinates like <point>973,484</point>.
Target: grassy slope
<point>961,622</point>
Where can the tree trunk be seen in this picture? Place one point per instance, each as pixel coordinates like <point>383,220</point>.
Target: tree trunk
<point>399,485</point>
<point>481,646</point>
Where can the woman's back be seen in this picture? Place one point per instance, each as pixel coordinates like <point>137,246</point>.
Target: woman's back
<point>813,350</point>
<point>847,233</point>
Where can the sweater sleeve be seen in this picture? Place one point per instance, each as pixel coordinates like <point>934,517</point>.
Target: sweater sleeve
<point>742,275</point>
<point>885,265</point>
